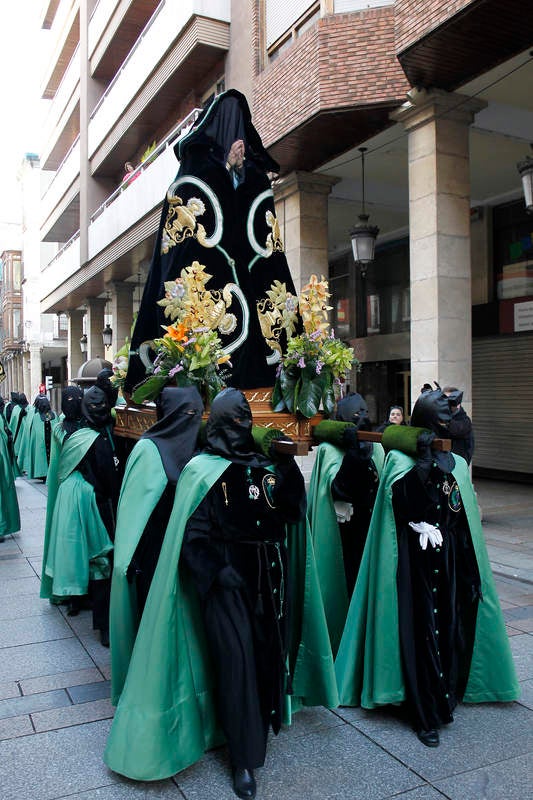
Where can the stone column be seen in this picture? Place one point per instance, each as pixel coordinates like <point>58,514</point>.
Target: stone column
<point>439,237</point>
<point>121,307</point>
<point>26,375</point>
<point>75,358</point>
<point>302,211</point>
<point>95,326</point>
<point>36,370</point>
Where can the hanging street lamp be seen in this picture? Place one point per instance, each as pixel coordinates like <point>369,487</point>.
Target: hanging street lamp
<point>362,234</point>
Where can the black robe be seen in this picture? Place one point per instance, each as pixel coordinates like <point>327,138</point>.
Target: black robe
<point>234,546</point>
<point>98,468</point>
<point>232,232</point>
<point>357,483</point>
<point>438,592</point>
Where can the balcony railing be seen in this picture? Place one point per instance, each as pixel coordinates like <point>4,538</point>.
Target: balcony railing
<point>177,133</point>
<point>136,199</point>
<point>64,177</point>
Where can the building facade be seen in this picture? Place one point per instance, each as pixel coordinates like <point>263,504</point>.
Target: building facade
<point>438,94</point>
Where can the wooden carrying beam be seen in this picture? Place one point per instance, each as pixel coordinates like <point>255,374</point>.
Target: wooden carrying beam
<point>301,448</point>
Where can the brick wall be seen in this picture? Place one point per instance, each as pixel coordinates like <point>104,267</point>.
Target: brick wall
<point>343,61</point>
<point>415,19</point>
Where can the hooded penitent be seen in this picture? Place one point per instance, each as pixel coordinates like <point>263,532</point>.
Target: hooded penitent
<point>229,227</point>
<point>44,409</point>
<point>344,478</point>
<point>432,411</point>
<point>146,499</point>
<point>103,381</point>
<point>71,408</point>
<point>179,412</point>
<point>229,429</point>
<point>95,408</point>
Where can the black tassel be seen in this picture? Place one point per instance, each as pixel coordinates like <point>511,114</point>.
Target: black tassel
<point>259,608</point>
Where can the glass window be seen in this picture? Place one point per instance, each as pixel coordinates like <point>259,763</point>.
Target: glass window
<point>513,251</point>
<point>17,274</point>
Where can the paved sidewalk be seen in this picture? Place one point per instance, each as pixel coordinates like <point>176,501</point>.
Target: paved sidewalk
<point>55,710</point>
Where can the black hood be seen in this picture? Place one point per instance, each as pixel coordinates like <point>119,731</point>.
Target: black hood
<point>353,408</point>
<point>455,398</point>
<point>71,407</point>
<point>227,119</point>
<point>175,434</point>
<point>22,400</point>
<point>95,408</point>
<point>104,383</point>
<point>432,411</point>
<point>43,408</point>
<point>2,405</point>
<point>229,429</point>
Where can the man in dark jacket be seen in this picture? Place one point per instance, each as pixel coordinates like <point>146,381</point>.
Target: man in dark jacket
<point>460,429</point>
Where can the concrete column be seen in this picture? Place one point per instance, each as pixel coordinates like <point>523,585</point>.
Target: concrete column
<point>26,375</point>
<point>302,210</point>
<point>439,237</point>
<point>75,358</point>
<point>35,368</point>
<point>121,307</point>
<point>95,326</point>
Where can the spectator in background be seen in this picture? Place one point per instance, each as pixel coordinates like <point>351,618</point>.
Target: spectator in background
<point>460,429</point>
<point>129,174</point>
<point>395,418</point>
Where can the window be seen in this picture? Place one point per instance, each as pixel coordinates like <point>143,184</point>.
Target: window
<point>285,22</point>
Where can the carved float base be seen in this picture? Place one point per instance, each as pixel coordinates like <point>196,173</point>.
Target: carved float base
<point>133,420</point>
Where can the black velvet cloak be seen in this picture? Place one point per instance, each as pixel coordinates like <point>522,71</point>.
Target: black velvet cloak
<point>231,230</point>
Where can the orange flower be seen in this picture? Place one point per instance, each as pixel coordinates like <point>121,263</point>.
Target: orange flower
<point>177,332</point>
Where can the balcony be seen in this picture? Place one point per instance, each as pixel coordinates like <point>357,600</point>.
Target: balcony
<point>65,32</point>
<point>62,124</point>
<point>141,195</point>
<point>113,30</point>
<point>59,196</point>
<point>180,45</point>
<point>65,263</point>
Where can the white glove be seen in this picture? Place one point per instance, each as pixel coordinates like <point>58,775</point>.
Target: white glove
<point>428,533</point>
<point>343,510</point>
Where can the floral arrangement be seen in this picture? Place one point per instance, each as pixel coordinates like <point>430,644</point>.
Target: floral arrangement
<point>190,352</point>
<point>120,366</point>
<point>315,362</point>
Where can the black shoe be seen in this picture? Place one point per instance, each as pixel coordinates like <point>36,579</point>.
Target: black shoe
<point>243,782</point>
<point>104,638</point>
<point>429,738</point>
<point>73,608</point>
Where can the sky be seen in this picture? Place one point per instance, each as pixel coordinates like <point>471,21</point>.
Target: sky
<point>21,49</point>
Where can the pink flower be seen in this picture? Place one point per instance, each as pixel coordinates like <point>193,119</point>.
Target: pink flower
<point>174,370</point>
<point>319,365</point>
<point>301,362</point>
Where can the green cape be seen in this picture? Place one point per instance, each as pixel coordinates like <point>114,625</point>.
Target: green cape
<point>52,482</point>
<point>166,717</point>
<point>368,664</point>
<point>17,437</point>
<point>326,536</point>
<point>144,482</point>
<point>9,508</point>
<point>78,541</point>
<point>32,452</point>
